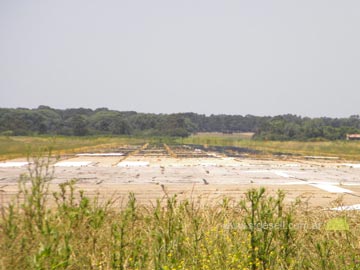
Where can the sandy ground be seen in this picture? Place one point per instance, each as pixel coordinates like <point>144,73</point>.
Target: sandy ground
<point>154,174</point>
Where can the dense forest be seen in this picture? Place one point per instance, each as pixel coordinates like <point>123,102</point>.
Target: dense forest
<point>102,121</point>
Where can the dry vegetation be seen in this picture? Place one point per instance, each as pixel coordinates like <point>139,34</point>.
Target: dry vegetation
<point>13,147</point>
<point>342,149</point>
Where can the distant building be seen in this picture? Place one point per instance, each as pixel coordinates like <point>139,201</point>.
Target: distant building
<point>353,136</point>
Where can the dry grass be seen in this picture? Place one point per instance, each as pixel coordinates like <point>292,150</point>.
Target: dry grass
<point>342,149</point>
<point>14,147</point>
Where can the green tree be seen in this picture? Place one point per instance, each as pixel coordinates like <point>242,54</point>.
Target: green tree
<point>79,125</point>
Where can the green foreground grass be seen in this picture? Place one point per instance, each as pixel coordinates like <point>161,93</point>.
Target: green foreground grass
<point>342,149</point>
<point>69,230</point>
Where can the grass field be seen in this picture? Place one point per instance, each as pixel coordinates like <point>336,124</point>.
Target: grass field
<point>341,149</point>
<point>13,147</point>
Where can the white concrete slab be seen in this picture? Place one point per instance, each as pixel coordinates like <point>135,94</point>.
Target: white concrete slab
<point>291,165</point>
<point>100,154</point>
<point>276,172</point>
<point>13,164</point>
<point>282,174</point>
<point>228,158</point>
<point>321,157</point>
<point>330,188</point>
<point>208,164</point>
<point>133,164</point>
<point>258,171</point>
<point>351,165</point>
<point>347,208</point>
<point>73,163</point>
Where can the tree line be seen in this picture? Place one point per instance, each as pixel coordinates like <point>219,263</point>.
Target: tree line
<point>103,121</point>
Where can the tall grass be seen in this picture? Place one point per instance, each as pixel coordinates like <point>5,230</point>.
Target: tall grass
<point>69,230</point>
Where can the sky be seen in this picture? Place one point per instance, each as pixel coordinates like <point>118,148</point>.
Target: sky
<point>260,57</point>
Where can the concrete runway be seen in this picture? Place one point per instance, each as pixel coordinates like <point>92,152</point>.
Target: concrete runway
<point>215,175</point>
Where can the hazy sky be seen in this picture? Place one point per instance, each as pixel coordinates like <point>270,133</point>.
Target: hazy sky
<point>235,57</point>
